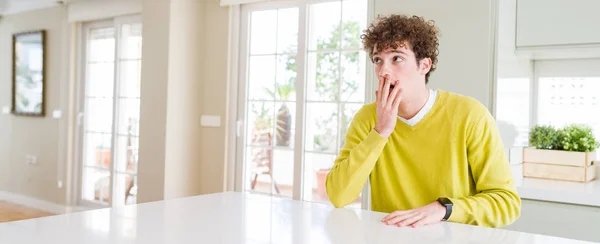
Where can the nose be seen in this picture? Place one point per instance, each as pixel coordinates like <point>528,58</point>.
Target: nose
<point>384,71</point>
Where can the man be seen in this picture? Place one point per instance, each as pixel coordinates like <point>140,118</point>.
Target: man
<point>431,155</point>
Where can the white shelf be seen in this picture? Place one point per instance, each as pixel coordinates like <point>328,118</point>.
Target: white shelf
<point>587,193</point>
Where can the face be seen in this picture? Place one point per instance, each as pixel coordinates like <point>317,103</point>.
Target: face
<point>400,66</point>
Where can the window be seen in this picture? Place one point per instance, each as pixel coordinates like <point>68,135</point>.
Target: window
<point>109,109</point>
<point>512,111</point>
<point>564,92</point>
<point>301,86</point>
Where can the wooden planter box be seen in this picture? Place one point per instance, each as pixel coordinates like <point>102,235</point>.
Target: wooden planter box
<point>559,165</point>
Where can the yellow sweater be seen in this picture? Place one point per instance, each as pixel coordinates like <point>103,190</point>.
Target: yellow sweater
<point>455,151</point>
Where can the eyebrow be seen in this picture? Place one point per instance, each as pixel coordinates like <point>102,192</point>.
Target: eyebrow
<point>393,51</point>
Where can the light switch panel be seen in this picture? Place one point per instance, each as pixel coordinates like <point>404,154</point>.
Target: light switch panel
<point>6,110</point>
<point>210,121</point>
<point>57,114</point>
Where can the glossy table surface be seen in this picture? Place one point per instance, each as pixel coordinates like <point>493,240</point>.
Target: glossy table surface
<point>245,218</point>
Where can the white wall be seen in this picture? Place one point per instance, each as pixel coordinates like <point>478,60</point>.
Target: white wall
<point>186,59</point>
<point>184,75</point>
<point>43,137</point>
<point>153,112</point>
<point>94,10</point>
<point>509,64</point>
<point>465,51</point>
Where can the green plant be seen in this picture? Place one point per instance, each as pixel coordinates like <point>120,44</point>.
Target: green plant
<point>284,91</point>
<point>578,138</point>
<point>543,137</point>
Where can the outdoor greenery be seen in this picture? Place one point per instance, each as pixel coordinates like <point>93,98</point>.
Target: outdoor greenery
<point>574,137</point>
<point>327,88</point>
<point>328,81</point>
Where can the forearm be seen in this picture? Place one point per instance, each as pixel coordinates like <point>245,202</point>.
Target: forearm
<point>352,168</point>
<point>491,208</point>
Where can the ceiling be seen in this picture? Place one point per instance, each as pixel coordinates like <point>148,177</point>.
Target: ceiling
<point>17,6</point>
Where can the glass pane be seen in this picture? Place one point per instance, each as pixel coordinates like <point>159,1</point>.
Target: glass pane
<point>324,26</point>
<point>287,30</point>
<point>131,41</point>
<point>286,78</point>
<point>100,79</point>
<point>286,124</point>
<point>323,76</point>
<point>354,21</point>
<point>283,172</point>
<point>259,162</point>
<point>261,85</point>
<point>130,78</point>
<point>260,123</point>
<point>512,111</point>
<point>97,150</point>
<point>563,101</point>
<point>317,166</point>
<point>321,127</point>
<point>126,189</point>
<point>127,154</point>
<point>129,116</point>
<point>101,45</point>
<point>99,114</point>
<point>349,110</point>
<point>353,76</point>
<point>263,32</point>
<point>96,185</point>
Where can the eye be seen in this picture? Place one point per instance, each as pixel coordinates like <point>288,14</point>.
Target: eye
<point>376,60</point>
<point>397,59</point>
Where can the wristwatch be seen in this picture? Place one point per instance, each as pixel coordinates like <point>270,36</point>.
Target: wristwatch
<point>448,205</point>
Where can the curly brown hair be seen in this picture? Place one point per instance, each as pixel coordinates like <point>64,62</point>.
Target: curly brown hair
<point>395,30</point>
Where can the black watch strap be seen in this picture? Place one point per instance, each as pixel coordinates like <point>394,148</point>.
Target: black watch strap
<point>448,205</point>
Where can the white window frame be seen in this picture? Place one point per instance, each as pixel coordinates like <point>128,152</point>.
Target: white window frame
<point>561,68</point>
<point>557,67</point>
<point>238,96</point>
<point>83,50</point>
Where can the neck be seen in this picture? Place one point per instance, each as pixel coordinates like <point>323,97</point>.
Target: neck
<point>413,104</point>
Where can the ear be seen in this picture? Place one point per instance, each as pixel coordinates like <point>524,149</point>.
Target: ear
<point>424,65</point>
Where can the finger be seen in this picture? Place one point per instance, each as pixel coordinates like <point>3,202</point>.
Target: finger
<point>393,96</point>
<point>400,217</point>
<point>377,96</point>
<point>411,220</point>
<point>420,223</point>
<point>398,99</point>
<point>386,91</point>
<point>381,83</point>
<point>392,215</point>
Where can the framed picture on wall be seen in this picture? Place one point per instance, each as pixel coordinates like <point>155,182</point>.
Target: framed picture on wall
<point>28,73</point>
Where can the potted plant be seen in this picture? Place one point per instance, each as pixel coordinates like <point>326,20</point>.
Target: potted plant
<point>103,156</point>
<point>283,128</point>
<point>321,178</point>
<point>562,154</point>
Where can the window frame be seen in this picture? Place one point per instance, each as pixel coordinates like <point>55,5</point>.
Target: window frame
<point>585,67</point>
<point>538,68</point>
<point>82,82</point>
<point>242,43</point>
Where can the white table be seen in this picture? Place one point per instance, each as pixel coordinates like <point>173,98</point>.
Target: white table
<point>244,218</point>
